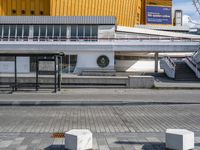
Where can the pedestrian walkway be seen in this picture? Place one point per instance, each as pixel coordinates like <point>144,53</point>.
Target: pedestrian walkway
<point>120,141</point>
<point>99,119</point>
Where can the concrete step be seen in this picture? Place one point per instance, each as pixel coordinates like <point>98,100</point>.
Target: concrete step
<point>184,73</point>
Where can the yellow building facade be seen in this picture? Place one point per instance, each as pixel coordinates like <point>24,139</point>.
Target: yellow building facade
<point>128,12</point>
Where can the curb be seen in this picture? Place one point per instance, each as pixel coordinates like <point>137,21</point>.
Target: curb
<point>88,103</point>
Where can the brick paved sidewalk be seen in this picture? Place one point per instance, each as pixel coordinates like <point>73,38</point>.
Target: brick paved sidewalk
<point>99,119</point>
<point>121,141</point>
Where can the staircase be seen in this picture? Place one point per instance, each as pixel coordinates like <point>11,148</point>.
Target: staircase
<point>184,73</point>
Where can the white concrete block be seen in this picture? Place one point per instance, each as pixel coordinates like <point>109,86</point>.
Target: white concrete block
<point>179,139</point>
<point>78,139</point>
<point>141,81</point>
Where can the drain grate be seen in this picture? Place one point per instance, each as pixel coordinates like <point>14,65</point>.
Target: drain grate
<point>58,135</point>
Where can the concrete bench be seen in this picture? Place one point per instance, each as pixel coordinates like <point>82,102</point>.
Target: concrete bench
<point>78,139</point>
<point>179,139</point>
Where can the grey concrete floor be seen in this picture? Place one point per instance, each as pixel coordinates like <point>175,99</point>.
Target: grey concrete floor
<point>126,127</point>
<point>114,127</point>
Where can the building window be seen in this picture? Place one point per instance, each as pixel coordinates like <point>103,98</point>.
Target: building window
<point>86,32</point>
<point>74,32</point>
<point>23,12</point>
<point>19,31</point>
<point>32,12</point>
<point>36,29</point>
<point>69,63</point>
<point>63,32</point>
<point>94,32</point>
<point>12,32</point>
<point>49,31</point>
<point>5,32</point>
<point>14,11</point>
<point>41,13</point>
<point>81,32</point>
<point>56,32</point>
<point>42,32</point>
<point>26,32</point>
<point>1,31</point>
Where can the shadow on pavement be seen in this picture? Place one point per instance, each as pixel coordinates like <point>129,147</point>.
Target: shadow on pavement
<point>145,145</point>
<point>55,147</point>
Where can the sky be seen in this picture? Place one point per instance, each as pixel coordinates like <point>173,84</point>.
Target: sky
<point>188,10</point>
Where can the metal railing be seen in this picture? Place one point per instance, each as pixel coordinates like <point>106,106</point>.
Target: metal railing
<point>171,62</point>
<point>194,66</point>
<point>95,39</point>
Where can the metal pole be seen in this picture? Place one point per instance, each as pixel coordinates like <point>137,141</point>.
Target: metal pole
<point>59,73</point>
<point>37,72</point>
<point>15,73</point>
<point>55,74</point>
<point>156,62</point>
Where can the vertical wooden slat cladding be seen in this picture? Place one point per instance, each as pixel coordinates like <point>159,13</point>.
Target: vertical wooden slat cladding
<point>24,7</point>
<point>127,12</point>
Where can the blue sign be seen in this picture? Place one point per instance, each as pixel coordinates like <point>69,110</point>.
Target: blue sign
<point>159,15</point>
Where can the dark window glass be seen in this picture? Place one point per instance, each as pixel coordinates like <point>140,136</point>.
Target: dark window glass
<point>41,13</point>
<point>12,32</point>
<point>49,31</point>
<point>5,31</point>
<point>35,32</point>
<point>56,31</point>
<point>69,63</point>
<point>66,64</point>
<point>0,31</point>
<point>80,31</point>
<point>19,31</point>
<point>26,31</point>
<point>32,64</point>
<point>63,32</point>
<point>42,32</point>
<point>73,61</point>
<point>87,32</point>
<point>32,12</point>
<point>94,32</point>
<point>14,11</point>
<point>23,12</point>
<point>73,32</point>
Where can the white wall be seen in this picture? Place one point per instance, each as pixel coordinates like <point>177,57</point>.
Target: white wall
<point>106,31</point>
<point>88,61</point>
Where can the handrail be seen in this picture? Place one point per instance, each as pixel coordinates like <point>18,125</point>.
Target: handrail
<point>171,62</point>
<point>189,59</point>
<point>197,70</point>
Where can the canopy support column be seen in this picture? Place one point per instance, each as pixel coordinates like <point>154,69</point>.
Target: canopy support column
<point>156,62</point>
<point>15,88</point>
